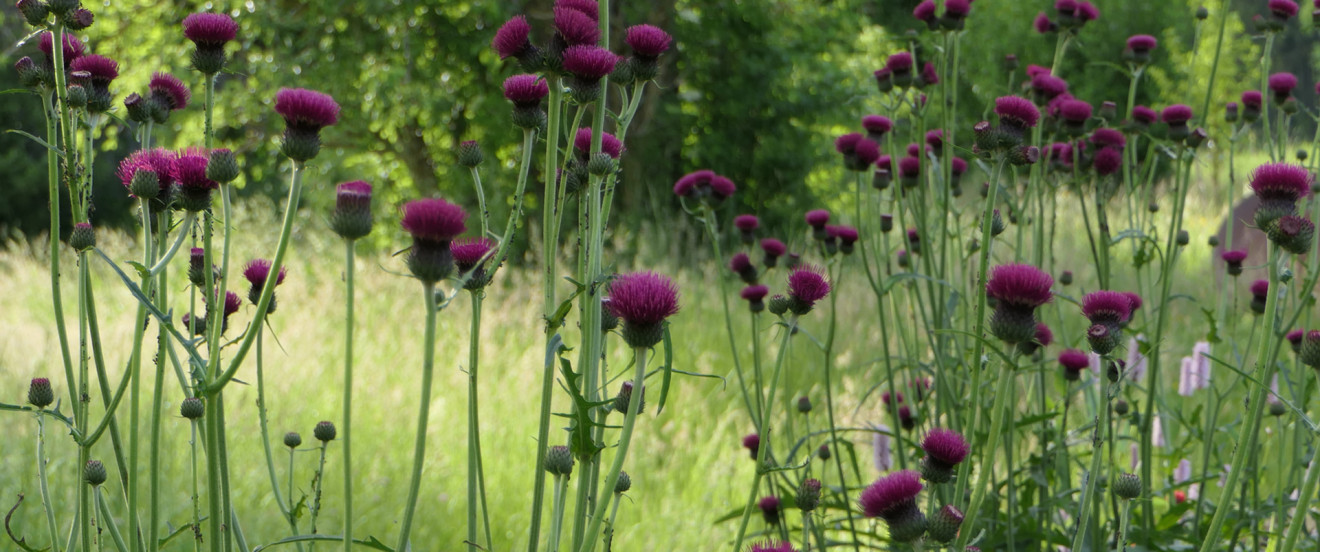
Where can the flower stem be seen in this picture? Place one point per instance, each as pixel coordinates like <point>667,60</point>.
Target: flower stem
<point>1247,433</point>
<point>557,515</point>
<point>158,387</point>
<point>1004,379</point>
<point>829,409</point>
<point>347,422</point>
<point>762,451</point>
<point>474,434</point>
<point>284,507</point>
<point>45,487</point>
<point>621,452</point>
<point>318,483</point>
<point>196,496</point>
<point>1101,435</point>
<point>108,521</point>
<point>1124,521</point>
<point>1303,505</point>
<point>423,416</point>
<point>53,179</point>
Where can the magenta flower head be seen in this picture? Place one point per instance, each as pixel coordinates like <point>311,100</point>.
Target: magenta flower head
<point>574,28</point>
<point>168,93</point>
<point>900,69</point>
<point>925,12</point>
<point>433,224</point>
<point>1016,113</point>
<point>1110,308</point>
<point>1310,354</point>
<point>865,154</point>
<point>1017,289</point>
<point>209,33</point>
<point>72,50</point>
<point>909,172</point>
<point>1043,25</point>
<point>746,225</point>
<point>769,507</point>
<point>471,255</point>
<point>944,451</point>
<point>588,64</point>
<point>1073,362</point>
<point>1292,233</point>
<point>1074,114</point>
<point>1282,85</point>
<point>149,174</point>
<point>1233,261</point>
<point>772,546</point>
<point>772,249</point>
<point>230,306</point>
<point>817,219</point>
<point>1043,338</point>
<point>1177,116</point>
<point>1295,338</point>
<point>1143,116</point>
<point>741,265</point>
<point>257,273</point>
<point>608,144</point>
<point>647,42</point>
<point>1279,186</point>
<point>1046,87</point>
<point>40,393</point>
<point>755,297</point>
<point>1139,48</point>
<point>1281,11</point>
<point>1260,291</point>
<point>893,498</point>
<point>1251,104</point>
<point>526,93</point>
<point>94,73</point>
<point>722,187</point>
<point>352,218</point>
<point>847,236</point>
<point>305,113</point>
<point>694,184</point>
<point>194,187</point>
<point>877,126</point>
<point>928,77</point>
<point>806,285</point>
<point>1108,137</point>
<point>752,442</point>
<point>643,300</point>
<point>1107,161</point>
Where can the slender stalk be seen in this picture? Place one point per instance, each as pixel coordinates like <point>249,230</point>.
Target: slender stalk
<point>1124,521</point>
<point>135,393</point>
<point>1275,154</point>
<point>1248,430</point>
<point>108,521</point>
<point>318,483</point>
<point>762,452</point>
<point>1303,504</point>
<point>621,452</point>
<point>347,422</point>
<point>708,216</point>
<point>1004,379</point>
<point>158,390</point>
<point>474,432</point>
<point>485,215</point>
<point>52,173</point>
<point>423,415</point>
<point>1101,435</point>
<point>557,515</point>
<point>196,496</point>
<point>45,488</point>
<point>285,507</point>
<point>829,409</point>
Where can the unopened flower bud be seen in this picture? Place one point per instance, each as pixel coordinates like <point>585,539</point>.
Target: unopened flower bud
<point>623,399</point>
<point>77,96</point>
<point>559,460</point>
<point>824,452</point>
<point>1128,486</point>
<point>192,408</point>
<point>35,12</point>
<point>324,431</point>
<point>804,404</point>
<point>292,439</point>
<point>469,154</point>
<point>778,305</point>
<point>1231,112</point>
<point>79,19</point>
<point>94,473</point>
<point>1277,408</point>
<point>601,164</point>
<point>1066,278</point>
<point>1010,62</point>
<point>808,495</point>
<point>83,237</point>
<point>1301,156</point>
<point>996,224</point>
<point>1197,137</point>
<point>222,166</point>
<point>40,393</point>
<point>1183,237</point>
<point>623,484</point>
<point>944,524</point>
<point>62,7</point>
<point>1121,407</point>
<point>1109,111</point>
<point>1212,241</point>
<point>1202,14</point>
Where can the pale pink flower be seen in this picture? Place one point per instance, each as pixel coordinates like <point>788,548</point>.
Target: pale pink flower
<point>1187,377</point>
<point>882,457</point>
<point>1183,472</point>
<point>1136,362</point>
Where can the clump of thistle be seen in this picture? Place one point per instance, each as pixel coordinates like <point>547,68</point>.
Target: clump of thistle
<point>470,256</point>
<point>257,273</point>
<point>1260,290</point>
<point>944,451</point>
<point>1073,362</point>
<point>806,285</point>
<point>1108,311</point>
<point>352,218</point>
<point>1279,186</point>
<point>1018,289</point>
<point>209,33</point>
<point>643,300</point>
<point>305,113</point>
<point>433,224</point>
<point>893,498</point>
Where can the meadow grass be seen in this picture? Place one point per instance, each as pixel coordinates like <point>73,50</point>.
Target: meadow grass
<point>688,468</point>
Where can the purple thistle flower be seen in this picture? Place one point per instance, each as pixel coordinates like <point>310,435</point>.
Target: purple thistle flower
<point>159,161</point>
<point>589,63</point>
<point>1134,299</point>
<point>588,8</point>
<point>1260,289</point>
<point>1016,112</point>
<point>866,153</point>
<point>1042,24</point>
<point>1281,181</point>
<point>352,218</point>
<point>847,235</point>
<point>690,182</point>
<point>877,125</point>
<point>469,252</point>
<point>909,167</point>
<point>752,442</point>
<point>1044,337</point>
<point>1141,43</point>
<point>189,170</point>
<point>101,69</point>
<point>740,263</point>
<point>306,110</point>
<point>209,30</point>
<point>1110,308</point>
<point>806,285</point>
<point>755,293</point>
<point>1282,84</point>
<point>818,218</point>
<point>1294,339</point>
<point>925,11</point>
<point>1087,12</point>
<point>232,303</point>
<point>722,187</point>
<point>1177,114</point>
<point>1107,161</point>
<point>934,140</point>
<point>1251,99</point>
<point>928,75</point>
<point>769,507</point>
<point>511,40</point>
<point>773,249</point>
<point>957,166</point>
<point>647,41</point>
<point>1075,111</point>
<point>526,91</point>
<point>945,447</point>
<point>73,48</point>
<point>891,497</point>
<point>957,9</point>
<point>746,223</point>
<point>1020,285</point>
<point>1047,87</point>
<point>433,220</point>
<point>575,27</point>
<point>258,270</point>
<point>1233,261</point>
<point>1074,361</point>
<point>771,546</point>
<point>1144,115</point>
<point>847,143</point>
<point>1283,9</point>
<point>1108,137</point>
<point>608,143</point>
<point>899,63</point>
<point>170,90</point>
<point>644,298</point>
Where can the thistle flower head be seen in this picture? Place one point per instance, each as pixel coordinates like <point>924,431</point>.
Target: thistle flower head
<point>1107,307</point>
<point>944,446</point>
<point>1283,9</point>
<point>892,496</point>
<point>1075,111</point>
<point>258,270</point>
<point>807,284</point>
<point>909,167</point>
<point>40,393</point>
<point>690,182</point>
<point>772,546</point>
<point>647,41</point>
<point>1042,24</point>
<point>589,62</point>
<point>1176,114</point>
<point>928,75</point>
<point>1017,112</point>
<point>1141,43</point>
<point>1087,11</point>
<point>512,37</point>
<point>1047,87</point>
<point>740,263</point>
<point>575,27</point>
<point>608,143</point>
<point>1233,261</point>
<point>645,298</point>
<point>306,110</point>
<point>769,507</point>
<point>746,223</point>
<point>818,218</point>
<point>1282,84</point>
<point>847,143</point>
<point>1044,337</point>
<point>866,153</point>
<point>773,247</point>
<point>526,90</point>
<point>957,8</point>
<point>209,30</point>
<point>352,218</point>
<point>433,220</point>
<point>1074,360</point>
<point>73,48</point>
<point>1295,339</point>
<point>877,125</point>
<point>1252,99</point>
<point>170,89</point>
<point>189,170</point>
<point>1107,161</point>
<point>1108,137</point>
<point>722,187</point>
<point>755,292</point>
<point>925,11</point>
<point>847,235</point>
<point>1260,289</point>
<point>101,69</point>
<point>1134,300</point>
<point>588,8</point>
<point>752,442</point>
<point>958,166</point>
<point>159,161</point>
<point>899,63</point>
<point>1144,115</point>
<point>469,253</point>
<point>1281,181</point>
<point>1020,285</point>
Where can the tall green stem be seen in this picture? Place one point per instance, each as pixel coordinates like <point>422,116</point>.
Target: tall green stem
<point>423,416</point>
<point>265,441</point>
<point>53,179</point>
<point>1101,436</point>
<point>1247,433</point>
<point>158,391</point>
<point>347,422</point>
<point>1275,154</point>
<point>1004,379</point>
<point>762,451</point>
<point>829,409</point>
<point>135,393</point>
<point>45,487</point>
<point>620,452</point>
<point>474,433</point>
<point>1303,504</point>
